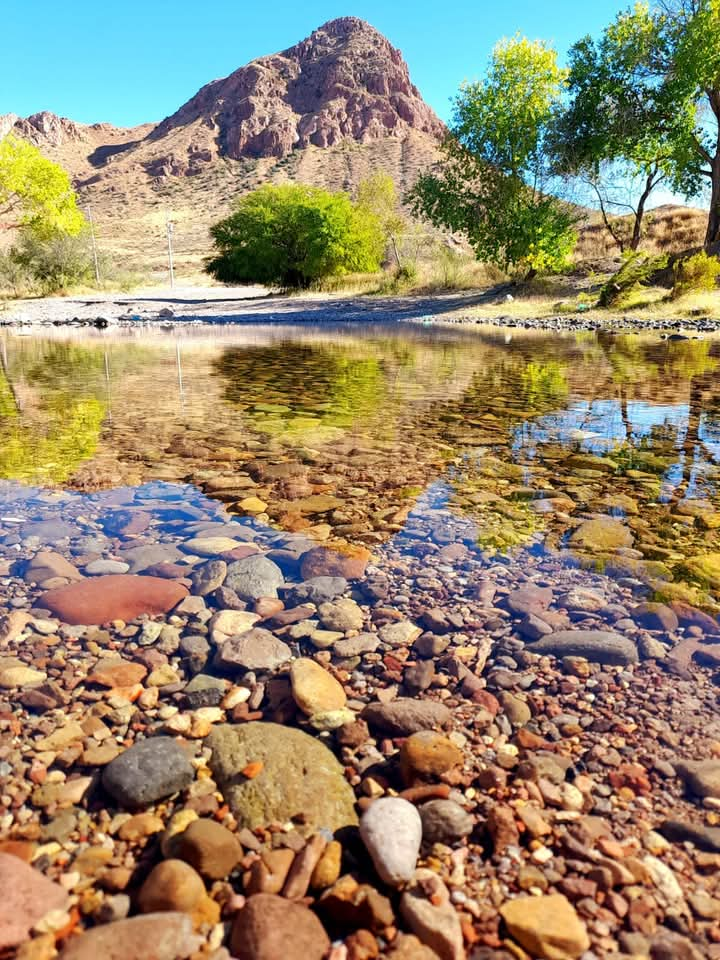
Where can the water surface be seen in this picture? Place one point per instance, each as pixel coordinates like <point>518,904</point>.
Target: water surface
<point>508,441</point>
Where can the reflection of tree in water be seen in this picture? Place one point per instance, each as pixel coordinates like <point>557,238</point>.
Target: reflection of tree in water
<point>48,433</point>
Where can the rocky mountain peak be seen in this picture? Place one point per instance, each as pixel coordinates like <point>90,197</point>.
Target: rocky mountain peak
<point>343,82</point>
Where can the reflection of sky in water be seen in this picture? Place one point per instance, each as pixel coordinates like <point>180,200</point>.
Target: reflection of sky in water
<point>600,426</point>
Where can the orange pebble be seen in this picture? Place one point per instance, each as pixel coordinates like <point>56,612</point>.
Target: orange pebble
<point>253,769</point>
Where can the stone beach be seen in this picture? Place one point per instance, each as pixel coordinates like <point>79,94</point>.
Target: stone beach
<point>276,684</point>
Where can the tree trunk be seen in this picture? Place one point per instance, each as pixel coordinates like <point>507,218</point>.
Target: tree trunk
<point>713,228</point>
<point>650,184</point>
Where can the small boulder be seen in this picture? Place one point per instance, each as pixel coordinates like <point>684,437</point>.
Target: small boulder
<point>270,927</point>
<point>148,771</point>
<point>154,936</point>
<point>598,646</point>
<point>547,926</point>
<point>298,777</point>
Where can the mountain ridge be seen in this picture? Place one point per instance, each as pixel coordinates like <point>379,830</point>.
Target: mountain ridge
<point>328,110</point>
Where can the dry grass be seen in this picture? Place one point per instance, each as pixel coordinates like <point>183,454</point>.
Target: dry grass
<point>667,229</point>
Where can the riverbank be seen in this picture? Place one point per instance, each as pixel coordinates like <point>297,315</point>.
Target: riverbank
<point>218,305</point>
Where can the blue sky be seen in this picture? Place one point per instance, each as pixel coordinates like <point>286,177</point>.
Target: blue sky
<point>131,61</point>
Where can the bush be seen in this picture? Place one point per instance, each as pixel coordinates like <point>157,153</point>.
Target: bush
<point>695,274</point>
<point>637,271</point>
<point>52,262</point>
<point>293,235</point>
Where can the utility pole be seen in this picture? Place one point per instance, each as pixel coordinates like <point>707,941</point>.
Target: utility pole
<point>94,246</point>
<point>170,226</point>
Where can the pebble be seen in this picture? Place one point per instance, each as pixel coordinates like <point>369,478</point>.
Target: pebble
<point>114,597</point>
<point>426,908</point>
<point>171,885</point>
<point>548,926</point>
<point>598,646</point>
<point>391,830</point>
<point>404,716</point>
<point>444,821</point>
<point>209,847</point>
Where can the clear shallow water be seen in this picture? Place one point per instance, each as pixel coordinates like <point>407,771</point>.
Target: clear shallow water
<point>484,433</point>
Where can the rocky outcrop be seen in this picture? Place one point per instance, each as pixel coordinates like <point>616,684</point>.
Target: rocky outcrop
<point>344,82</point>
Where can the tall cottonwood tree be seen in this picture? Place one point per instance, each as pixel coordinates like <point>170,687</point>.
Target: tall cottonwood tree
<point>494,182</point>
<point>620,132</point>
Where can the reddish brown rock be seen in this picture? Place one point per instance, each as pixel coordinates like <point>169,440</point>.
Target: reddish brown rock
<point>114,597</point>
<point>336,561</point>
<point>117,673</point>
<point>26,897</point>
<point>269,927</point>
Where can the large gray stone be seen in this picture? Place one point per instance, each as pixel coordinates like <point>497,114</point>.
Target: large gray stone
<point>254,577</point>
<point>148,771</point>
<point>299,778</point>
<point>256,649</point>
<point>600,646</point>
<point>702,777</point>
<point>317,590</point>
<point>404,716</point>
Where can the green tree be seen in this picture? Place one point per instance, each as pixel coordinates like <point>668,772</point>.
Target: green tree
<point>292,235</point>
<point>377,195</point>
<point>35,193</point>
<point>613,134</point>
<point>688,54</point>
<point>494,184</point>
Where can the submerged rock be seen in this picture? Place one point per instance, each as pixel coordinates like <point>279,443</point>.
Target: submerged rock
<point>599,646</point>
<point>113,597</point>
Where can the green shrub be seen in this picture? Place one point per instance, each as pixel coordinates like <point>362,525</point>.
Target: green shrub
<point>54,261</point>
<point>637,271</point>
<point>292,235</point>
<point>695,274</point>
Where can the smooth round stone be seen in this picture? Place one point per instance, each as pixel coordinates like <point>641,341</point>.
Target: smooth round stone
<point>343,615</point>
<point>254,577</point>
<point>209,847</point>
<point>314,689</point>
<point>171,885</point>
<point>99,568</point>
<point>444,821</point>
<point>270,927</point>
<point>391,829</point>
<point>148,771</point>
<point>27,896</point>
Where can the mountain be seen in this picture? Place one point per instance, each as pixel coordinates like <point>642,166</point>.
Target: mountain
<point>328,111</point>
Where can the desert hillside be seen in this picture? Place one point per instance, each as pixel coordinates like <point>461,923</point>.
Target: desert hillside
<point>328,111</point>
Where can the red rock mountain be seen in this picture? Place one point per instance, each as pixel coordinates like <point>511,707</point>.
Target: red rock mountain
<point>329,110</point>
